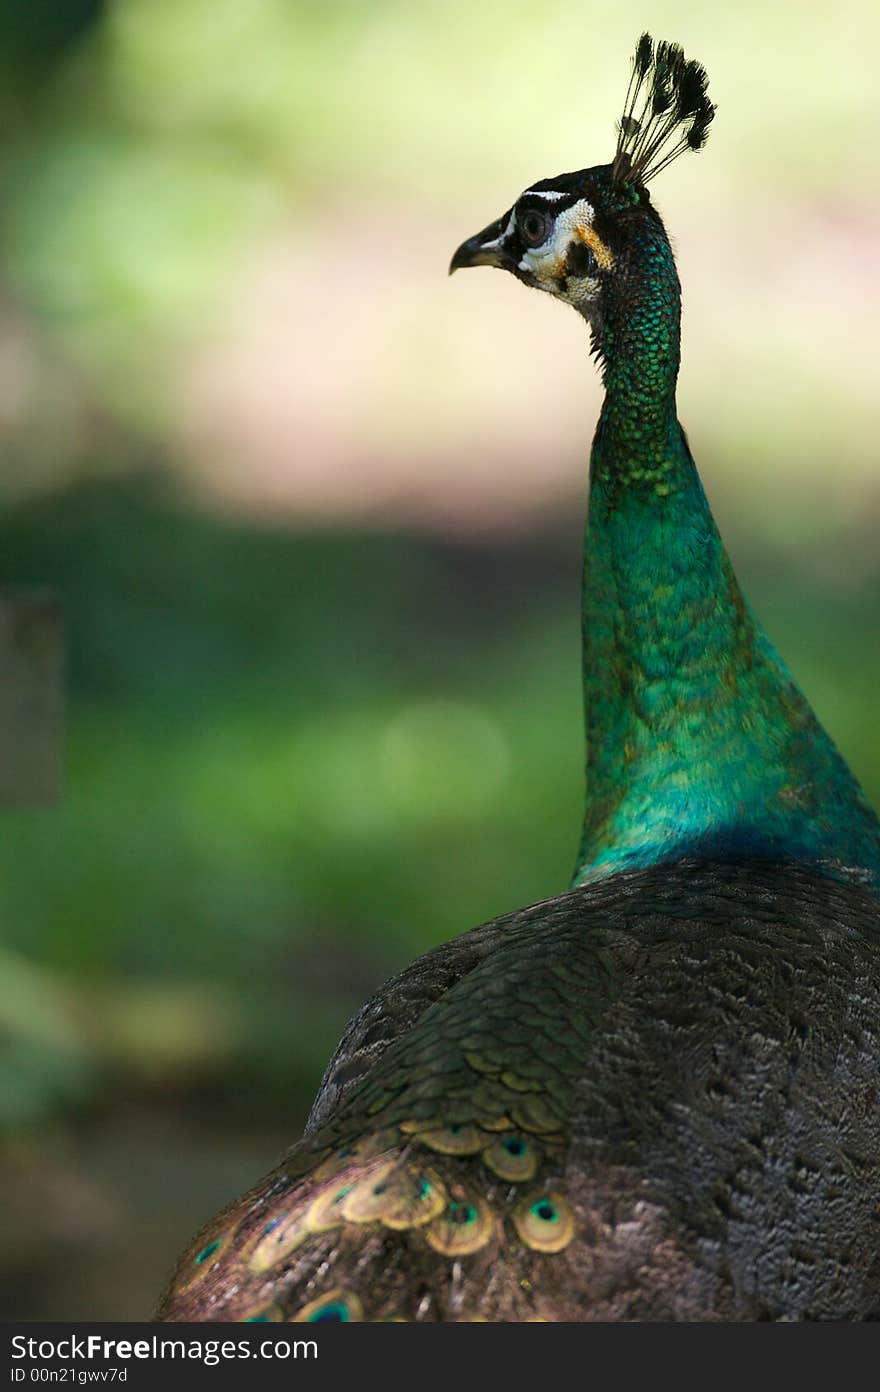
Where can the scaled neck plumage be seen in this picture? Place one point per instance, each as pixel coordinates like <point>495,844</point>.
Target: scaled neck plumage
<point>699,743</point>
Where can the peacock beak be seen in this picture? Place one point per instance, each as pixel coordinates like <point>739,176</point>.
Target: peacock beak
<point>485,249</point>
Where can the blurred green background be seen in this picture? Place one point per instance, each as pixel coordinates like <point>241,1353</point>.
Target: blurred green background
<point>314,512</point>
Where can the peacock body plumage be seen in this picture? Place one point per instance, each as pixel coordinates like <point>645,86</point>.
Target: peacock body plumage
<point>654,1096</point>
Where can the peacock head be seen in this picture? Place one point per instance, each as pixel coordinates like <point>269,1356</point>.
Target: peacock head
<point>570,235</point>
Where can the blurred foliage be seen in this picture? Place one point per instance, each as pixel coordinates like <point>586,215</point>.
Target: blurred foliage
<point>247,780</point>
<point>297,756</point>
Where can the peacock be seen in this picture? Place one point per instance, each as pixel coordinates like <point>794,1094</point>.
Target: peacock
<point>655,1096</point>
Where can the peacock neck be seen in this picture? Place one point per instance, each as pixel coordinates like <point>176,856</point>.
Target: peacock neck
<point>698,741</point>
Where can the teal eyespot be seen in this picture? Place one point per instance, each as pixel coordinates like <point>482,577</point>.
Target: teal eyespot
<point>338,1306</point>
<point>461,1213</point>
<point>208,1250</point>
<point>335,1313</point>
<point>545,1211</point>
<point>513,1158</point>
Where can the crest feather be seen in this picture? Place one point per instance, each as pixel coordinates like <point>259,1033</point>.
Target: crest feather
<point>666,111</point>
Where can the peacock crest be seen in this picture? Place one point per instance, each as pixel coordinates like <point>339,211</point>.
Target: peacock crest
<point>666,112</point>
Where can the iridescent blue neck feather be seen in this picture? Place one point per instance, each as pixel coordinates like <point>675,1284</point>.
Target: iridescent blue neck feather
<point>698,740</point>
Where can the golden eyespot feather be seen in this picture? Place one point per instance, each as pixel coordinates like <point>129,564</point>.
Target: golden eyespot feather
<point>397,1196</point>
<point>454,1140</point>
<point>501,1123</point>
<point>464,1227</point>
<point>325,1211</point>
<point>278,1238</point>
<point>336,1307</point>
<point>534,1113</point>
<point>356,1152</point>
<point>415,1126</point>
<point>513,1158</point>
<point>544,1221</point>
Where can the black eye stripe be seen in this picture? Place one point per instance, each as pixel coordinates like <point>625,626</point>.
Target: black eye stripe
<point>580,260</point>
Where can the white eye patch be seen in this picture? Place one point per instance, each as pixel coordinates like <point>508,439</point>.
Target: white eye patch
<point>545,259</point>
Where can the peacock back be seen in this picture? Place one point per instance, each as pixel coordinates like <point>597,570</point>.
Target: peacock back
<point>654,1097</point>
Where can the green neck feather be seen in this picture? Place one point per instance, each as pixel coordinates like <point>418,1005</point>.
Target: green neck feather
<point>698,740</point>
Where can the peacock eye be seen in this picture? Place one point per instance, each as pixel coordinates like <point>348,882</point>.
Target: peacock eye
<point>534,226</point>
